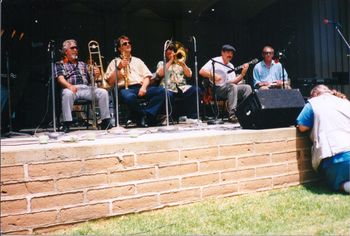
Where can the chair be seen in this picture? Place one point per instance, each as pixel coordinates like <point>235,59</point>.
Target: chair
<point>83,109</point>
<point>208,101</point>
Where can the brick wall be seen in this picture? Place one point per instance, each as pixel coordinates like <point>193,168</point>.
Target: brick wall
<point>45,187</point>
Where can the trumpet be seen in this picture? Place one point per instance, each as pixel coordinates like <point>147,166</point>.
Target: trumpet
<point>96,60</point>
<point>180,53</point>
<point>125,71</point>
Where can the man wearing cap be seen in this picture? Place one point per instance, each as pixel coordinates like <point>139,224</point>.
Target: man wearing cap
<point>227,82</point>
<point>268,73</point>
<point>73,76</point>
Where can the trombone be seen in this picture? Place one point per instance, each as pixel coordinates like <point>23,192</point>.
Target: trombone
<point>95,59</point>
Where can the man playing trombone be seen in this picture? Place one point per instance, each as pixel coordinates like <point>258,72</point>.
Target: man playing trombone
<point>74,77</point>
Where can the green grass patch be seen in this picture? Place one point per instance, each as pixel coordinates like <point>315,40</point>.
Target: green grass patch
<point>301,210</point>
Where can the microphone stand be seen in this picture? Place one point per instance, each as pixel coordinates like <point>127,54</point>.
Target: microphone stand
<point>116,93</point>
<point>9,104</point>
<point>337,28</point>
<point>93,96</point>
<point>280,56</point>
<point>342,36</point>
<point>215,121</point>
<point>167,128</point>
<point>196,75</point>
<point>51,49</point>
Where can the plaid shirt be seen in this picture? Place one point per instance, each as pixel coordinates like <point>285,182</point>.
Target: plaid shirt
<point>74,73</point>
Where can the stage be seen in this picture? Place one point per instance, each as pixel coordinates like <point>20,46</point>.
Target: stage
<point>91,174</point>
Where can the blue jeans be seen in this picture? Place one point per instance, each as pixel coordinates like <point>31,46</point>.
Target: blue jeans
<point>155,97</point>
<point>336,174</point>
<point>187,103</point>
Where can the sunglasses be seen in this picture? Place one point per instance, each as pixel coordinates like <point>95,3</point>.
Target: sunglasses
<point>74,47</point>
<point>268,53</point>
<point>126,43</point>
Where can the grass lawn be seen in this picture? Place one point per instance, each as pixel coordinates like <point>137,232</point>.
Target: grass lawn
<point>302,210</point>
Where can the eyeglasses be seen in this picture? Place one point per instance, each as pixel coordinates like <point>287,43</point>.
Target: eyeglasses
<point>126,43</point>
<point>74,47</point>
<point>268,53</point>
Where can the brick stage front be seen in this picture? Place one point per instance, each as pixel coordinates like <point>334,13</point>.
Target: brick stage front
<point>48,186</point>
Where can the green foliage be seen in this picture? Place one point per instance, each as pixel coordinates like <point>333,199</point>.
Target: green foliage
<point>301,210</point>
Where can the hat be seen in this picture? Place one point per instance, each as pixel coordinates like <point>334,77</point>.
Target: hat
<point>228,47</point>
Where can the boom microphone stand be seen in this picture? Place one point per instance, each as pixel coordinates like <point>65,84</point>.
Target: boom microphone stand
<point>337,28</point>
<point>216,121</point>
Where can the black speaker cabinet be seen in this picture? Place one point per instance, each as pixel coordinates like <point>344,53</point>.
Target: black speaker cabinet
<point>270,108</point>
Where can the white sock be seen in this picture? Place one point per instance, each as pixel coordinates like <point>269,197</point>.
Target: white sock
<point>346,187</point>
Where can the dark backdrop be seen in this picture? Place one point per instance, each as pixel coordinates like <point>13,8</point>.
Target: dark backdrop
<point>287,25</point>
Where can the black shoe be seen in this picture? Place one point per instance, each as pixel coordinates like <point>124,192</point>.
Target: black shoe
<point>65,127</point>
<point>106,124</point>
<point>142,122</point>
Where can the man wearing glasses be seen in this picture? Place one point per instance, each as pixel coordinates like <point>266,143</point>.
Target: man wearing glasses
<point>73,76</point>
<point>133,81</point>
<point>268,73</point>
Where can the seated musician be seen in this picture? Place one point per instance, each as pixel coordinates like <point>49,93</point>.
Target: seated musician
<point>268,72</point>
<point>227,83</point>
<point>73,76</point>
<point>133,82</point>
<point>177,70</point>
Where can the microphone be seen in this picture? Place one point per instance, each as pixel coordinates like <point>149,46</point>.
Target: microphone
<point>50,45</point>
<point>230,71</point>
<point>115,45</point>
<point>326,22</point>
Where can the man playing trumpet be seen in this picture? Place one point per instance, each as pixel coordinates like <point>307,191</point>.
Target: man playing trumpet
<point>178,71</point>
<point>133,81</point>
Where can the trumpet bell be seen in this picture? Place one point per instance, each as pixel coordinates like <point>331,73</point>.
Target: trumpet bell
<point>180,53</point>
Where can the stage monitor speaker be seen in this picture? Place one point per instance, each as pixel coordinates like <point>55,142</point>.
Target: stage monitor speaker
<point>270,108</point>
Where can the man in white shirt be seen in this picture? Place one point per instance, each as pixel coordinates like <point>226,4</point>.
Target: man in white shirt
<point>227,83</point>
<point>133,82</point>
